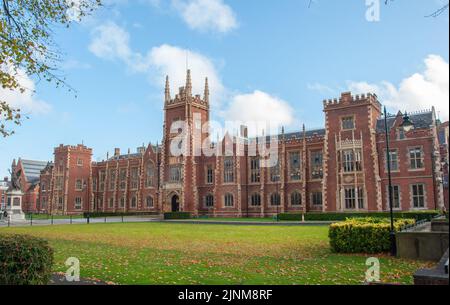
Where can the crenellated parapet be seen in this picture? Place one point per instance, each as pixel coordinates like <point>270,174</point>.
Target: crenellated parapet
<point>347,99</point>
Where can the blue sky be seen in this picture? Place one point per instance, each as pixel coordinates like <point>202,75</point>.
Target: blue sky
<point>265,59</point>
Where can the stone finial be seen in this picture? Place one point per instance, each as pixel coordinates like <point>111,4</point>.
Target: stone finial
<point>206,94</point>
<point>167,90</point>
<point>188,88</point>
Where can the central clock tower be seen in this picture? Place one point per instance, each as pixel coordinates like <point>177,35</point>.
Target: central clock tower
<point>184,116</point>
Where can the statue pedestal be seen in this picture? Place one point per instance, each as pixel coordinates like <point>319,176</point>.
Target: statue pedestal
<point>14,205</point>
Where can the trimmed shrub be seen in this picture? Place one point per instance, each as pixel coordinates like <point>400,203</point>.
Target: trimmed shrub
<point>24,260</point>
<point>111,214</point>
<point>363,235</point>
<point>314,216</point>
<point>290,216</point>
<point>177,215</point>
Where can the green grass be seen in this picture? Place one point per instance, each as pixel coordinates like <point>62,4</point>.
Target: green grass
<point>163,253</point>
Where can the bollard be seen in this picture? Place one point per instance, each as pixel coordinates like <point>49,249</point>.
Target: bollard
<point>105,219</point>
<point>52,219</point>
<point>70,219</point>
<point>87,219</point>
<point>122,218</point>
<point>31,219</point>
<point>9,219</point>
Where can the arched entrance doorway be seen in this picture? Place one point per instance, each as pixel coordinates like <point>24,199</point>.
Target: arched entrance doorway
<point>175,203</point>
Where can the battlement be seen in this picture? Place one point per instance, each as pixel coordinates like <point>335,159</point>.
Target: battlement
<point>347,99</point>
<point>78,148</point>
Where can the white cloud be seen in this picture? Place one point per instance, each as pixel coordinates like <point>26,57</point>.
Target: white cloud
<point>420,91</point>
<point>111,42</point>
<point>171,60</point>
<point>205,15</point>
<point>25,101</point>
<point>260,107</point>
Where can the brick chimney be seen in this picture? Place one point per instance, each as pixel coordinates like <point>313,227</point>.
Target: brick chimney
<point>116,152</point>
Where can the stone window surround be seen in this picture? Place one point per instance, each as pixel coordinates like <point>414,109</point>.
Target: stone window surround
<point>78,206</point>
<point>251,201</point>
<point>205,201</point>
<point>425,197</point>
<point>288,153</point>
<point>399,197</point>
<point>209,166</point>
<point>224,201</point>
<point>398,161</point>
<point>422,158</point>
<point>290,198</point>
<point>341,122</point>
<point>269,199</point>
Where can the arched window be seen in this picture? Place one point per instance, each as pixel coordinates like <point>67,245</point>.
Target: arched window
<point>296,199</point>
<point>122,202</point>
<point>255,200</point>
<point>149,202</point>
<point>275,199</point>
<point>209,201</point>
<point>111,202</point>
<point>133,202</point>
<point>150,175</point>
<point>228,200</point>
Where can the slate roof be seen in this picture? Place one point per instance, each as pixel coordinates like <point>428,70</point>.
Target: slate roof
<point>420,120</point>
<point>32,169</point>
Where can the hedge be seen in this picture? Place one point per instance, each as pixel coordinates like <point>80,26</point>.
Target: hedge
<point>363,235</point>
<point>177,215</point>
<point>24,260</point>
<point>112,214</point>
<point>417,215</point>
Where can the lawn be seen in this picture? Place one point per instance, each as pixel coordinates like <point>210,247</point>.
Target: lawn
<point>168,253</point>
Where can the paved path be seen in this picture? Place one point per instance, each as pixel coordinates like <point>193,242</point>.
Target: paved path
<point>131,219</point>
<point>67,221</point>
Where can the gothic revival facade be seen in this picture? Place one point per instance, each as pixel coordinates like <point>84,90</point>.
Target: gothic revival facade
<point>341,167</point>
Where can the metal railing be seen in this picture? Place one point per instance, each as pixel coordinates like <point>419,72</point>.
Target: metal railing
<point>419,223</point>
<point>31,220</point>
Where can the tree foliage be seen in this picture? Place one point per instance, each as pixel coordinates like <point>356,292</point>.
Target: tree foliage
<point>26,43</point>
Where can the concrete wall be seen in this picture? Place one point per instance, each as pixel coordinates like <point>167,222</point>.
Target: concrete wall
<point>422,245</point>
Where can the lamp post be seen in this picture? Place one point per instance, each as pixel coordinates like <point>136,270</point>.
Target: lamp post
<point>406,126</point>
<point>388,161</point>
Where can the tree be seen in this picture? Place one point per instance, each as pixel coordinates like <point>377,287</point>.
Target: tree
<point>27,47</point>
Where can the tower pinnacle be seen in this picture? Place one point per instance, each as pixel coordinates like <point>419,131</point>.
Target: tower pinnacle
<point>188,83</point>
<point>206,94</point>
<point>167,90</point>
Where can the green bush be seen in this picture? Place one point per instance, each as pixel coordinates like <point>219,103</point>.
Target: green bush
<point>363,235</point>
<point>290,216</point>
<point>177,215</point>
<point>315,216</point>
<point>24,260</point>
<point>112,214</point>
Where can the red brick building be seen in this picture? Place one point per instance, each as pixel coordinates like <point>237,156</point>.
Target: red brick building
<point>341,167</point>
<point>26,174</point>
<point>4,186</point>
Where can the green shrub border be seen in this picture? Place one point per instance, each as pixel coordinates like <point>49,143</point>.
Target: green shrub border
<point>117,214</point>
<point>177,215</point>
<point>24,260</point>
<point>363,235</point>
<point>314,216</point>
